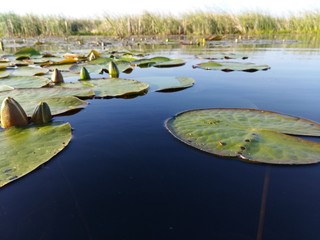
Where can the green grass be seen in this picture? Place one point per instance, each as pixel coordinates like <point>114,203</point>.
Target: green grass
<point>195,23</point>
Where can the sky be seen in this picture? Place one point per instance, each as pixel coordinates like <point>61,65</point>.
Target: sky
<point>98,8</point>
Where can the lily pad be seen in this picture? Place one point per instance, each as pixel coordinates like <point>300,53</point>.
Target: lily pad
<point>249,134</point>
<point>23,149</point>
<point>60,100</point>
<point>112,87</point>
<point>158,62</point>
<point>170,63</point>
<point>166,84</point>
<point>231,66</point>
<point>27,51</point>
<point>219,55</point>
<point>24,82</point>
<point>30,71</point>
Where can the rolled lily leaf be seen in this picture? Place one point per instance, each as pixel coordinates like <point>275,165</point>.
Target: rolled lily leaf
<point>41,114</point>
<point>12,114</point>
<point>113,70</point>
<point>56,76</point>
<point>249,134</point>
<point>84,74</point>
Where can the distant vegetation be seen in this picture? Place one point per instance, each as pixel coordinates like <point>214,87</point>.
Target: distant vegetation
<point>196,23</point>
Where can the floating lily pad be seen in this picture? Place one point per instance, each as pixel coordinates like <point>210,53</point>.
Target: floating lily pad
<point>170,63</point>
<point>219,55</point>
<point>27,51</point>
<point>158,62</point>
<point>165,84</point>
<point>24,82</point>
<point>95,67</point>
<point>30,71</point>
<point>23,149</point>
<point>60,100</point>
<point>91,68</point>
<point>4,74</point>
<point>252,135</point>
<point>112,87</point>
<point>231,66</point>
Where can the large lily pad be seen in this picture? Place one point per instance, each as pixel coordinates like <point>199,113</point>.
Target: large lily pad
<point>231,66</point>
<point>24,82</point>
<point>165,84</point>
<point>60,100</point>
<point>249,134</point>
<point>24,149</point>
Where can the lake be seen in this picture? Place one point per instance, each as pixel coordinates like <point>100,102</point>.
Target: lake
<point>123,176</point>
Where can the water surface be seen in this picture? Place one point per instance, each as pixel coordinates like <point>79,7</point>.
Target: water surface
<point>124,176</point>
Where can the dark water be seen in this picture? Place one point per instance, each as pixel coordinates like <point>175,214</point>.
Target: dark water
<point>124,176</point>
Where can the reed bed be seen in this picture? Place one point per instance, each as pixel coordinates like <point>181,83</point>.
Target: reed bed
<point>193,23</point>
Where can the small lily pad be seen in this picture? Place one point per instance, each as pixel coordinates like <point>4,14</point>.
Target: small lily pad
<point>165,84</point>
<point>231,66</point>
<point>170,63</point>
<point>158,62</point>
<point>249,134</point>
<point>220,55</point>
<point>23,149</point>
<point>27,51</point>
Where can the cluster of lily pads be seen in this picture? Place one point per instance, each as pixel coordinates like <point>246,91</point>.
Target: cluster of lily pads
<point>34,87</point>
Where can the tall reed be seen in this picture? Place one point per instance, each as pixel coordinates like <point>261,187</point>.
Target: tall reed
<point>192,23</point>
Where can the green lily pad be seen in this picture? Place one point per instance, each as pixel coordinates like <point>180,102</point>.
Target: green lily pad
<point>166,84</point>
<point>29,71</point>
<point>149,62</point>
<point>94,67</point>
<point>231,66</point>
<point>27,51</point>
<point>252,135</point>
<point>24,82</point>
<point>112,87</point>
<point>219,55</point>
<point>91,68</point>
<point>170,63</point>
<point>60,100</point>
<point>23,149</point>
<point>4,74</point>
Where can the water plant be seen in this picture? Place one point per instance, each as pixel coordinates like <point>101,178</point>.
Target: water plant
<point>249,134</point>
<point>12,114</point>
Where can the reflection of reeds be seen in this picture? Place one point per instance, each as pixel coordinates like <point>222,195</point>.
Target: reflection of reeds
<point>197,23</point>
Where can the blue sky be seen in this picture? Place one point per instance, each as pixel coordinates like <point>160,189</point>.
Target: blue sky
<point>93,8</point>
